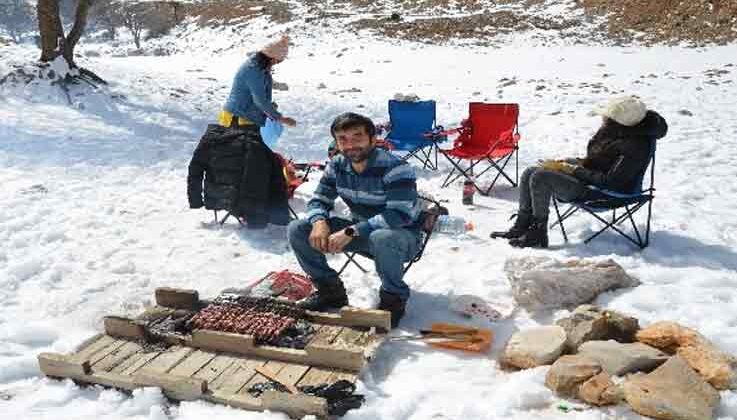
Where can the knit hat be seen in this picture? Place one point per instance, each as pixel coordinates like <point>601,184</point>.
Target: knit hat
<point>626,110</point>
<point>277,50</point>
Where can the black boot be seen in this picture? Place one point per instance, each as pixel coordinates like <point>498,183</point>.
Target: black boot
<point>329,295</point>
<point>535,237</point>
<point>394,304</point>
<point>518,229</point>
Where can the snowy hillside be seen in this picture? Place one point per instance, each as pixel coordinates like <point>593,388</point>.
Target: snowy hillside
<point>95,215</point>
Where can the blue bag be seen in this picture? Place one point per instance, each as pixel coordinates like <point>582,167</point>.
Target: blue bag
<point>270,132</point>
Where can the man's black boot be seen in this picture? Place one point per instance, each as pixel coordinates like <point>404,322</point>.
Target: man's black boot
<point>329,295</point>
<point>535,237</point>
<point>521,224</point>
<point>394,304</point>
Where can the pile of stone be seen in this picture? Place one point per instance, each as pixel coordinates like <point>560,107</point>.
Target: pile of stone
<point>665,371</point>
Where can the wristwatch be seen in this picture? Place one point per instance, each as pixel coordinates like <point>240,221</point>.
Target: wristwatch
<point>350,231</point>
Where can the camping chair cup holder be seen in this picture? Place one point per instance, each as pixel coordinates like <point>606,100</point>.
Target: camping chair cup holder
<point>490,136</point>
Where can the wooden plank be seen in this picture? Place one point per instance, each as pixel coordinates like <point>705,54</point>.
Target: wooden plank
<point>291,374</point>
<point>166,360</point>
<point>222,341</point>
<point>237,375</point>
<point>117,344</point>
<point>59,365</point>
<point>116,357</point>
<point>350,338</point>
<point>243,401</point>
<point>353,317</point>
<point>136,362</point>
<point>194,362</point>
<point>272,366</point>
<point>214,368</point>
<point>367,317</point>
<point>177,298</point>
<point>176,387</point>
<point>315,376</point>
<point>273,376</point>
<point>117,326</point>
<point>96,346</point>
<point>344,358</point>
<point>326,334</point>
<point>295,405</point>
<point>110,379</point>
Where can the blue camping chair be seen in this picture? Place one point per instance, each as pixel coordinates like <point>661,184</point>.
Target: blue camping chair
<point>413,131</point>
<point>603,201</point>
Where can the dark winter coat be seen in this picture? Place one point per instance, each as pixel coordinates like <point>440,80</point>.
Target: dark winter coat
<point>617,156</point>
<point>241,174</point>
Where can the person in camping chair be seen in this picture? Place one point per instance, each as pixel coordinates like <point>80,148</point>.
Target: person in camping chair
<point>380,191</point>
<point>616,156</point>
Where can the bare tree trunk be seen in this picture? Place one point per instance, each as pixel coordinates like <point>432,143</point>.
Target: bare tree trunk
<point>80,22</point>
<point>49,25</point>
<point>53,41</point>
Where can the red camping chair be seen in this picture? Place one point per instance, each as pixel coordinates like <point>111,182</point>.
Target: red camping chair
<point>489,135</point>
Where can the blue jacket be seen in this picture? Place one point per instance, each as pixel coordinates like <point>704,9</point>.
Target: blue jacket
<point>250,96</point>
<point>384,195</point>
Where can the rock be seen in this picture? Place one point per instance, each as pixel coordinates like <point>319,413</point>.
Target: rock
<point>321,86</point>
<point>685,112</point>
<point>672,391</point>
<point>569,372</point>
<point>715,366</point>
<point>534,347</point>
<point>600,390</point>
<point>542,282</point>
<point>280,86</point>
<point>589,322</point>
<point>619,359</point>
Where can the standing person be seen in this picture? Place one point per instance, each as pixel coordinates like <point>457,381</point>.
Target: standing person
<point>380,190</point>
<point>616,156</point>
<point>249,102</point>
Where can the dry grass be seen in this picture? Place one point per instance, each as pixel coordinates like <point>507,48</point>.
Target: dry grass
<point>237,11</point>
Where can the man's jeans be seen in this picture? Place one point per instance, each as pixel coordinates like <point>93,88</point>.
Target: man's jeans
<point>390,248</point>
<point>537,185</point>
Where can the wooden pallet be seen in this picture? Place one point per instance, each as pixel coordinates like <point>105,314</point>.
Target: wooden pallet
<point>221,367</point>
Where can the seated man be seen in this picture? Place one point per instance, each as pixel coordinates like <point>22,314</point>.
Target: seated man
<point>616,156</point>
<point>381,192</point>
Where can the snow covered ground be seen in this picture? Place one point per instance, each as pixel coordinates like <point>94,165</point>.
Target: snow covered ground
<point>94,214</point>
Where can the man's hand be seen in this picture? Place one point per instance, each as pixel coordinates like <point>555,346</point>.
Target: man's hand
<point>319,236</point>
<point>290,122</point>
<point>338,241</point>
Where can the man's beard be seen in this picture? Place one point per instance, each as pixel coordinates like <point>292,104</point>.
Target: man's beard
<point>359,155</point>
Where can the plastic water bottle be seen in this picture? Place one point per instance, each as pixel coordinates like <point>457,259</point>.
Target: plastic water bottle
<point>453,225</point>
<point>468,191</point>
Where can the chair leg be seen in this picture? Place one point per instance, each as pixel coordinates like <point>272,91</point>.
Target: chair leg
<point>560,220</point>
<point>500,172</point>
<point>613,225</point>
<point>351,259</point>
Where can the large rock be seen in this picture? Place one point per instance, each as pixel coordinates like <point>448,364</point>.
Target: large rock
<point>542,282</point>
<point>600,390</point>
<point>715,366</point>
<point>619,358</point>
<point>673,391</point>
<point>589,322</point>
<point>534,347</point>
<point>569,372</point>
